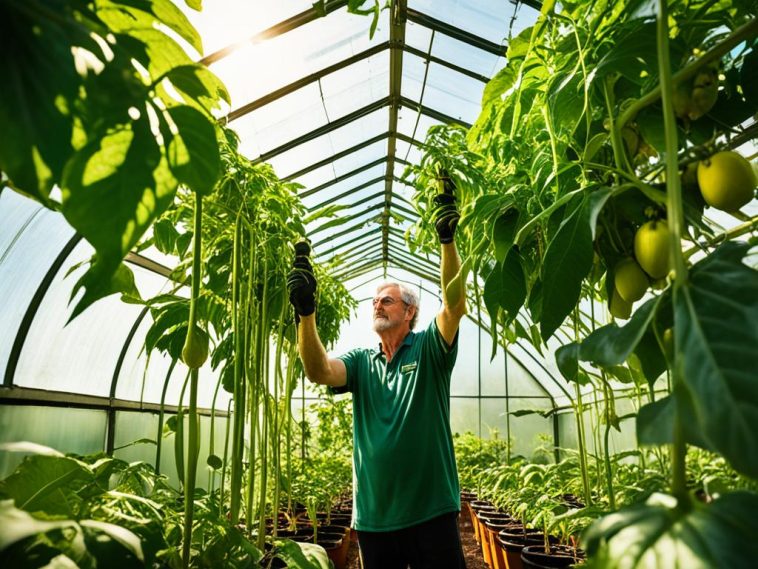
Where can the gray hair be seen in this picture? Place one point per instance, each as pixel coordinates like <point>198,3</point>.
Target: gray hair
<point>407,294</point>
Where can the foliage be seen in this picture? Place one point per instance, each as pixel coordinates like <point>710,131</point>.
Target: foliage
<point>105,105</point>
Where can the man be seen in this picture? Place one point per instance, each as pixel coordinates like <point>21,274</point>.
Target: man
<point>405,482</point>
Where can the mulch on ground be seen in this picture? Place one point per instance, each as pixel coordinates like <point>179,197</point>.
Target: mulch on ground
<point>471,549</point>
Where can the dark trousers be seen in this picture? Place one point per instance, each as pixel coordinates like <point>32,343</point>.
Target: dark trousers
<point>433,544</point>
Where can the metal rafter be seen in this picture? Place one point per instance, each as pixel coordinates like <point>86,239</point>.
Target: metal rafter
<point>304,81</point>
<point>322,130</point>
<point>352,173</point>
<point>336,156</point>
<point>449,30</point>
<point>359,215</point>
<point>437,115</point>
<point>398,9</point>
<point>277,29</point>
<point>347,193</point>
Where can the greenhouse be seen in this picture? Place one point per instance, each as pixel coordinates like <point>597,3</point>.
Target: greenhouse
<point>352,284</point>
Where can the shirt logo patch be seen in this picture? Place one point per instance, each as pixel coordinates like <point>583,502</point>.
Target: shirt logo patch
<point>408,367</point>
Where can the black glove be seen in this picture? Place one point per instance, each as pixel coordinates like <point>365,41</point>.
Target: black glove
<point>446,214</point>
<point>301,284</point>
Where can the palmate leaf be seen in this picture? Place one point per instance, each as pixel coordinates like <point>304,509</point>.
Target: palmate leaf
<point>47,484</point>
<point>193,151</point>
<point>39,81</point>
<point>112,190</point>
<point>716,339</point>
<point>17,524</point>
<point>660,535</point>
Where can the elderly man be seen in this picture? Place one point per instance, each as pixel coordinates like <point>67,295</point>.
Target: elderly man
<point>405,493</point>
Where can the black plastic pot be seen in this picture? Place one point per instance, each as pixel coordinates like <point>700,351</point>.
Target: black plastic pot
<point>559,557</point>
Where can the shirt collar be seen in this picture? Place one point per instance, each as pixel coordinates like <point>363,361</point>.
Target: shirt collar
<point>407,341</point>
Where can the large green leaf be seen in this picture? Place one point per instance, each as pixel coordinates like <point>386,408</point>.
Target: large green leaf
<point>716,339</point>
<point>115,543</point>
<point>198,86</point>
<point>303,555</point>
<point>611,345</point>
<point>113,190</point>
<point>193,152</point>
<point>655,424</point>
<point>513,283</point>
<point>503,233</point>
<point>128,15</point>
<point>47,484</point>
<point>39,81</point>
<point>567,359</point>
<point>661,534</point>
<point>568,260</point>
<point>17,524</point>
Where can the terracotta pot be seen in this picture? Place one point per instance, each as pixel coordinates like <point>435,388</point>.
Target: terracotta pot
<point>559,557</point>
<point>332,543</point>
<point>513,540</point>
<point>480,531</point>
<point>493,526</point>
<point>476,507</point>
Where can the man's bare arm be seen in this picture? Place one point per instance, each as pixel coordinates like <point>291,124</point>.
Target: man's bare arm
<point>319,367</point>
<point>453,293</point>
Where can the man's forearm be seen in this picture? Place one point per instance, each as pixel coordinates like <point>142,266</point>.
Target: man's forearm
<point>312,351</point>
<point>454,297</point>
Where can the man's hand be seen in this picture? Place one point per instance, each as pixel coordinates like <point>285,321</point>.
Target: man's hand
<point>301,284</point>
<point>446,214</point>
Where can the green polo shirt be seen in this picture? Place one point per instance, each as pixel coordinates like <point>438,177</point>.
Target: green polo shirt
<point>404,469</point>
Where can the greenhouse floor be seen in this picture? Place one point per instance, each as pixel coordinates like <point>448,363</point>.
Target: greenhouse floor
<point>471,549</point>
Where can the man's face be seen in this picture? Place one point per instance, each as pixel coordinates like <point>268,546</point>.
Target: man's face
<point>389,310</point>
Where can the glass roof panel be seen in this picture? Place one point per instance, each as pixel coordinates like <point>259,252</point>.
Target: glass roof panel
<point>411,122</point>
<point>407,151</point>
<point>487,19</point>
<point>344,165</point>
<point>32,237</point>
<point>315,104</point>
<point>364,212</point>
<point>452,93</point>
<point>345,185</point>
<point>255,70</point>
<point>80,356</point>
<point>322,147</point>
<point>333,191</point>
<point>452,50</point>
<point>218,29</point>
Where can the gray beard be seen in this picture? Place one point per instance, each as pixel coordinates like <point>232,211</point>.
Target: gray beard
<point>382,324</point>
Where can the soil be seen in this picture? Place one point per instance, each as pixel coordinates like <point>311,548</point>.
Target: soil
<point>471,549</point>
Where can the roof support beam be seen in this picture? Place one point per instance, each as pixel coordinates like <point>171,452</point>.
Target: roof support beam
<point>456,33</point>
<point>349,246</point>
<point>338,179</point>
<point>322,130</point>
<point>277,29</point>
<point>346,194</point>
<point>349,151</point>
<point>359,215</point>
<point>437,115</point>
<point>303,81</point>
<point>398,9</point>
<point>434,59</point>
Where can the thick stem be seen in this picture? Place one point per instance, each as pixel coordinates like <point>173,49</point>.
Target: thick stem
<point>194,435</point>
<point>240,387</point>
<point>161,413</point>
<point>675,226</point>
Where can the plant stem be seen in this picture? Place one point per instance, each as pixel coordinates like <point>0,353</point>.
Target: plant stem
<point>240,386</point>
<point>675,226</point>
<point>161,413</point>
<point>737,231</point>
<point>194,435</point>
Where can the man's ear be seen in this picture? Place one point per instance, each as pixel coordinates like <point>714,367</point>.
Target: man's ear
<point>411,311</point>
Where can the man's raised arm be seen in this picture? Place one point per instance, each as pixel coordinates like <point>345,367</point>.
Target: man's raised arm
<point>301,285</point>
<point>453,290</point>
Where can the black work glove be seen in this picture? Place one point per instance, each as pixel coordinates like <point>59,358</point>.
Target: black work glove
<point>446,214</point>
<point>301,284</point>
